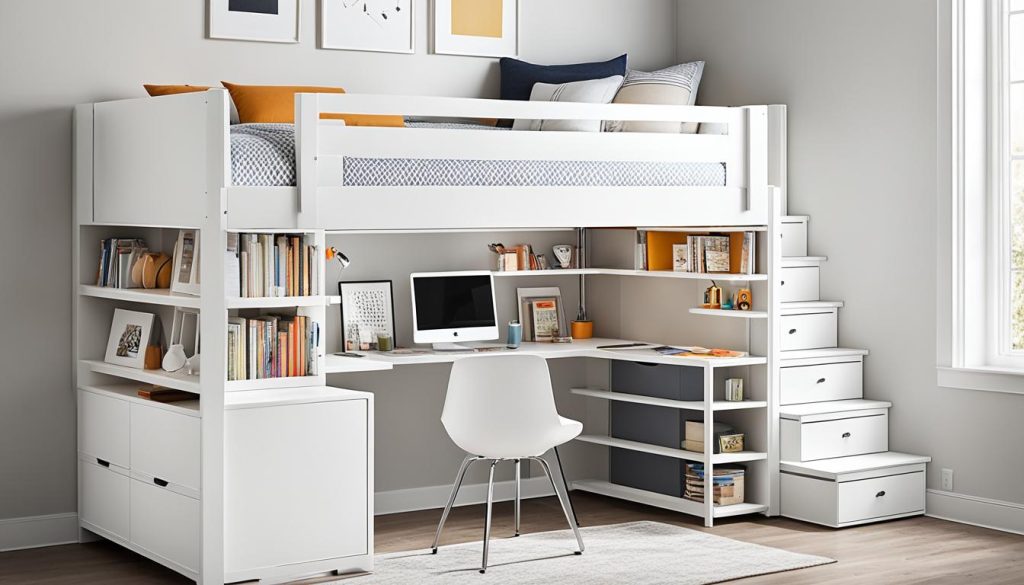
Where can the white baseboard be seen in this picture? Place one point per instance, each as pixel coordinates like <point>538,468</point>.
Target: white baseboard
<point>37,531</point>
<point>983,512</point>
<point>436,496</point>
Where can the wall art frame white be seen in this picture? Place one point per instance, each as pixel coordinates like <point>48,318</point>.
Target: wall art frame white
<point>268,21</point>
<point>444,41</point>
<point>382,26</point>
<point>366,304</point>
<point>185,270</point>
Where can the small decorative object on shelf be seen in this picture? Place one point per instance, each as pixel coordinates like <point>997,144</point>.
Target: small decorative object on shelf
<point>515,335</point>
<point>730,443</point>
<point>334,254</point>
<point>563,253</point>
<point>713,297</point>
<point>367,310</point>
<point>385,342</point>
<point>152,270</point>
<point>734,389</point>
<point>743,300</point>
<point>177,354</point>
<point>131,333</point>
<point>154,354</point>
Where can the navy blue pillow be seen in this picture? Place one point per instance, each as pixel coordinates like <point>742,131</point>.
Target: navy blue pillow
<point>518,77</point>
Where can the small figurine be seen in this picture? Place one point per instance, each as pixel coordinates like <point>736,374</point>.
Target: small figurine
<point>713,296</point>
<point>743,300</point>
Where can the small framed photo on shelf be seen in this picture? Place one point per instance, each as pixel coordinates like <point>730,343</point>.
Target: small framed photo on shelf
<point>367,313</point>
<point>542,313</point>
<point>130,335</point>
<point>185,272</point>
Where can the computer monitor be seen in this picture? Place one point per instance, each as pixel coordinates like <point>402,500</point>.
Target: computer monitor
<point>453,307</point>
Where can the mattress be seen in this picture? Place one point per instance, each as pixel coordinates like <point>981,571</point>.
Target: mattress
<point>263,155</point>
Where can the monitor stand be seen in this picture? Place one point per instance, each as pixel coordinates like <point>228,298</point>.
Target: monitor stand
<point>447,346</point>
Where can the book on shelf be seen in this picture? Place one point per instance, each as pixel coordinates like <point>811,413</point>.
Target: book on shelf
<point>272,346</point>
<point>728,482</point>
<point>158,394</point>
<point>705,253</point>
<point>276,265</point>
<point>117,257</point>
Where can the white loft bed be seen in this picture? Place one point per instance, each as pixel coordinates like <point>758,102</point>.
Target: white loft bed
<point>154,160</point>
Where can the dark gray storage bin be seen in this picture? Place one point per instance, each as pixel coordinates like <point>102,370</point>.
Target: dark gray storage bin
<point>652,424</point>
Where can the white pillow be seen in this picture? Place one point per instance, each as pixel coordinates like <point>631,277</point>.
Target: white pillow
<point>676,86</point>
<point>592,91</point>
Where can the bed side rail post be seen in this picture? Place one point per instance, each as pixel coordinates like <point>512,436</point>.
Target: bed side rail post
<point>307,117</point>
<point>757,158</point>
<point>777,149</point>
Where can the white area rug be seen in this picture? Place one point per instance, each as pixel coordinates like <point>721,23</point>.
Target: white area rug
<point>635,553</point>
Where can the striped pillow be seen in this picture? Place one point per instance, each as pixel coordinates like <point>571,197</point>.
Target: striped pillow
<point>676,85</point>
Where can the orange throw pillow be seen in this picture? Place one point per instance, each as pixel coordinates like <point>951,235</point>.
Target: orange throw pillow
<point>276,104</point>
<point>159,90</point>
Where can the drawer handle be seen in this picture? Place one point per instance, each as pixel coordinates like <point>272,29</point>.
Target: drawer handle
<point>880,494</point>
<point>821,380</point>
<point>160,482</point>
<point>782,283</point>
<point>846,435</point>
<point>102,462</point>
<point>792,331</point>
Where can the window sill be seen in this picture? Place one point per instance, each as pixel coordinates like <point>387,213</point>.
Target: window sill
<point>1003,380</point>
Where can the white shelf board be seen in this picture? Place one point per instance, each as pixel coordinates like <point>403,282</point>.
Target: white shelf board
<point>334,300</point>
<point>827,352</point>
<point>657,500</point>
<point>710,228</point>
<point>798,261</point>
<point>833,468</point>
<point>811,305</point>
<point>795,218</point>
<point>275,302</point>
<point>339,364</point>
<point>796,411</point>
<point>552,272</point>
<point>741,457</point>
<point>720,458</point>
<point>667,403</point>
<point>176,380</point>
<point>130,392</point>
<point>730,313</point>
<point>270,383</point>
<point>717,276</point>
<point>282,396</point>
<point>155,296</point>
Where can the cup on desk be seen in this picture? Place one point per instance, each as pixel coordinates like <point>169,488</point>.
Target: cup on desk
<point>515,335</point>
<point>385,342</point>
<point>582,329</point>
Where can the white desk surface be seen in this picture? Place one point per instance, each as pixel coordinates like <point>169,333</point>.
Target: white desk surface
<point>374,361</point>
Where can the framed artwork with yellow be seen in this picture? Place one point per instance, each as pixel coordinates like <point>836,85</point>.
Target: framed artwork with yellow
<point>479,28</point>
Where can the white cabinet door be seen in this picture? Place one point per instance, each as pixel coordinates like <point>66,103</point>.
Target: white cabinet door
<point>821,382</point>
<point>296,484</point>
<point>799,283</point>
<point>165,445</point>
<point>165,524</point>
<point>794,239</point>
<point>809,331</point>
<point>103,428</point>
<point>103,498</point>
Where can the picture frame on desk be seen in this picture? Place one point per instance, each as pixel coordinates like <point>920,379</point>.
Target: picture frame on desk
<point>185,272</point>
<point>526,298</point>
<point>367,310</point>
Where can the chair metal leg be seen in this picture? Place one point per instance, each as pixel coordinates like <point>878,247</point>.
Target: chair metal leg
<point>518,493</point>
<point>487,521</point>
<point>451,500</point>
<point>566,503</point>
<point>568,494</point>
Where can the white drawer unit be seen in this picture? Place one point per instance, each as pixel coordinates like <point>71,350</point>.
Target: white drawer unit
<point>810,330</point>
<point>103,428</point>
<point>799,283</point>
<point>103,499</point>
<point>821,381</point>
<point>854,490</point>
<point>834,429</point>
<point>165,524</point>
<point>165,445</point>
<point>794,236</point>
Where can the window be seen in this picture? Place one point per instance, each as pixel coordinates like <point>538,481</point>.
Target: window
<point>1010,191</point>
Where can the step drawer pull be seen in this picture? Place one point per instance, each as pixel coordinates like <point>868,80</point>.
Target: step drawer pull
<point>821,380</point>
<point>102,462</point>
<point>846,435</point>
<point>880,494</point>
<point>782,283</point>
<point>792,331</point>
<point>160,482</point>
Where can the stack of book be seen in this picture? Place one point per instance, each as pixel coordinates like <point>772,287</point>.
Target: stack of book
<point>278,265</point>
<point>272,347</point>
<point>117,256</point>
<point>727,481</point>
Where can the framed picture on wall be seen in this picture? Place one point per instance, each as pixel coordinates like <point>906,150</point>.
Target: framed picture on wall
<point>185,272</point>
<point>480,28</point>
<point>271,21</point>
<point>367,310</point>
<point>386,26</point>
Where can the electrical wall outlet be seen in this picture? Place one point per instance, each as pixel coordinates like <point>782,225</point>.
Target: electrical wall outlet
<point>947,480</point>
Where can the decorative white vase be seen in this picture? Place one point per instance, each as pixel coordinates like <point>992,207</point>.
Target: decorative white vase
<point>563,253</point>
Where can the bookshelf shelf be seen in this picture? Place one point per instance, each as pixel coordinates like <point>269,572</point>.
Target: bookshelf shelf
<point>677,504</point>
<point>716,459</point>
<point>730,313</point>
<point>720,277</point>
<point>276,302</point>
<point>176,380</point>
<point>718,405</point>
<point>158,296</point>
<point>268,383</point>
<point>130,392</point>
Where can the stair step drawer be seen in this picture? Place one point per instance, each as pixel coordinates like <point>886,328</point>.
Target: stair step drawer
<point>794,239</point>
<point>103,428</point>
<point>810,330</point>
<point>821,383</point>
<point>853,434</point>
<point>846,503</point>
<point>166,524</point>
<point>103,498</point>
<point>165,445</point>
<point>799,283</point>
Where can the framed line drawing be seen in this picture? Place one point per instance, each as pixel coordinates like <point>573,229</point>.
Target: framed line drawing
<point>269,21</point>
<point>479,28</point>
<point>386,26</point>
<point>367,310</point>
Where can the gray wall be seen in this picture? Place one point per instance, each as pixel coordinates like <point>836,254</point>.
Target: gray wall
<point>860,79</point>
<point>56,53</point>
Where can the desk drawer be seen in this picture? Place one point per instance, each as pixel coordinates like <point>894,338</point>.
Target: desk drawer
<point>822,382</point>
<point>799,284</point>
<point>165,445</point>
<point>880,497</point>
<point>103,428</point>
<point>166,524</point>
<point>809,330</point>
<point>841,437</point>
<point>103,498</point>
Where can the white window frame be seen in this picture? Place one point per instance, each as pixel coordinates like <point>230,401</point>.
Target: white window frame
<point>979,337</point>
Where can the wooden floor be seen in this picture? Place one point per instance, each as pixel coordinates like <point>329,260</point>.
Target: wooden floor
<point>916,550</point>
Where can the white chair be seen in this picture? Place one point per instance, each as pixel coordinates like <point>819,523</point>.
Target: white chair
<point>501,408</point>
